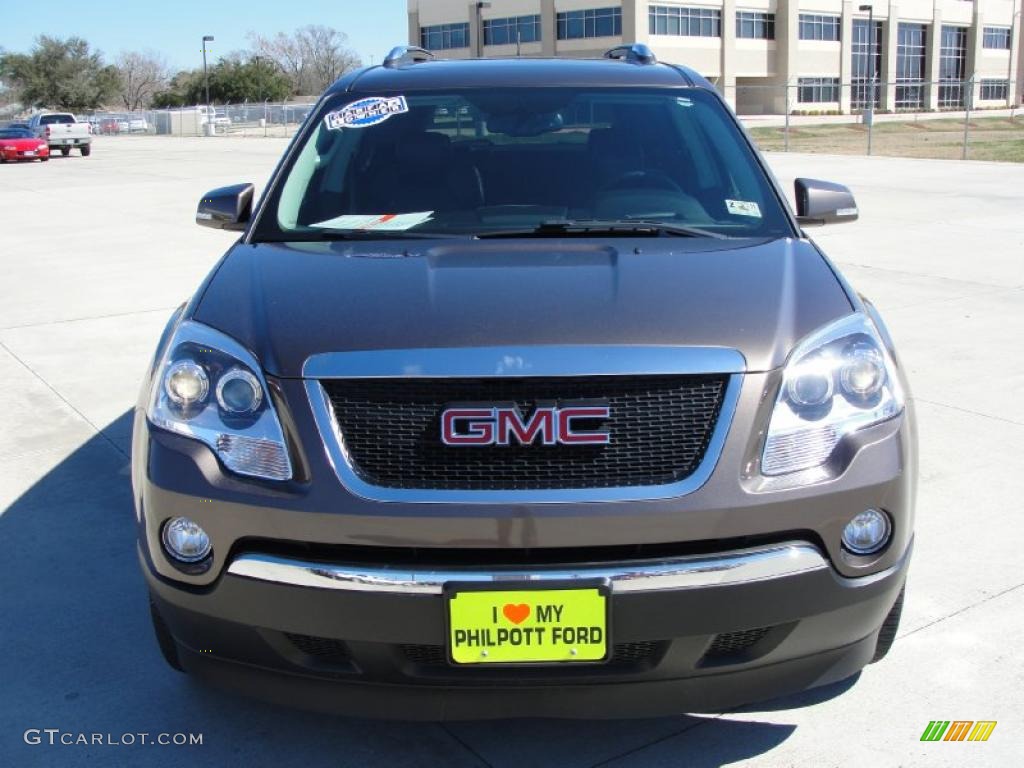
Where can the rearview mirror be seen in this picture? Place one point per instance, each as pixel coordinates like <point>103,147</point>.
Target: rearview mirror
<point>226,207</point>
<point>822,202</point>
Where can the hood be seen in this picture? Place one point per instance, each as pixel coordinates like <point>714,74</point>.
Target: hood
<point>286,302</point>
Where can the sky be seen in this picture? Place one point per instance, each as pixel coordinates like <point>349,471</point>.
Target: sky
<point>175,28</point>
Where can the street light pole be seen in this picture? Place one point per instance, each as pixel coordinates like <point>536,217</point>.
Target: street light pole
<point>206,76</point>
<point>871,63</point>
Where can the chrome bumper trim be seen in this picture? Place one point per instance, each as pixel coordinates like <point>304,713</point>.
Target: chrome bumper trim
<point>542,360</point>
<point>721,569</point>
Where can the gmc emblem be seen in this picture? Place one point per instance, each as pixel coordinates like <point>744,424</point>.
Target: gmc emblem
<point>502,424</point>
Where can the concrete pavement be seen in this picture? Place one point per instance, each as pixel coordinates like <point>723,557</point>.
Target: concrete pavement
<point>86,285</point>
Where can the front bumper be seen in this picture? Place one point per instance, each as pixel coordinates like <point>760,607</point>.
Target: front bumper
<point>713,640</point>
<point>688,647</point>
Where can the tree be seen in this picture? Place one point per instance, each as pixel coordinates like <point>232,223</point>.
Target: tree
<point>61,74</point>
<point>142,75</point>
<point>312,57</point>
<point>233,80</point>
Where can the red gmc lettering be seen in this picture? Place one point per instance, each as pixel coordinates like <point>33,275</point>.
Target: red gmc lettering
<point>567,435</point>
<point>542,423</point>
<point>505,426</point>
<point>467,426</point>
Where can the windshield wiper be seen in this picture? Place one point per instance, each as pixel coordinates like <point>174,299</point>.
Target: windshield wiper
<point>326,233</point>
<point>641,227</point>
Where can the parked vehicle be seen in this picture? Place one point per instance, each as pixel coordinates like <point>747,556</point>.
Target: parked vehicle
<point>552,410</point>
<point>208,114</point>
<point>62,132</point>
<point>21,144</point>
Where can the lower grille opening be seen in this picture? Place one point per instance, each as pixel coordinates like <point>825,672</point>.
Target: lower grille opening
<point>731,647</point>
<point>323,649</point>
<point>623,654</point>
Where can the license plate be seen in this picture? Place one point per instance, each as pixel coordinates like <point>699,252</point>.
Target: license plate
<point>527,626</point>
<point>29,152</point>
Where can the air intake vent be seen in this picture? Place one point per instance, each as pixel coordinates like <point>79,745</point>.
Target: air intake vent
<point>323,649</point>
<point>729,645</point>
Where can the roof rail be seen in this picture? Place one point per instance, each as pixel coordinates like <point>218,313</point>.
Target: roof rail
<point>402,54</point>
<point>637,53</point>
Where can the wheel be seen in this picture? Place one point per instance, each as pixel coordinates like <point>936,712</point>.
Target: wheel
<point>65,151</point>
<point>43,159</point>
<point>168,648</point>
<point>887,634</point>
<point>86,149</point>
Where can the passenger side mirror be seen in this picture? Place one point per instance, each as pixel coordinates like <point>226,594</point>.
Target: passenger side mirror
<point>822,202</point>
<point>226,207</point>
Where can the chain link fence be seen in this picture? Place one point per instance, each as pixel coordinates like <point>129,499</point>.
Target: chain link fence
<point>976,118</point>
<point>256,119</point>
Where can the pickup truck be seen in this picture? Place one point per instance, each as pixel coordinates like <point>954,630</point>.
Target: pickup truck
<point>61,131</point>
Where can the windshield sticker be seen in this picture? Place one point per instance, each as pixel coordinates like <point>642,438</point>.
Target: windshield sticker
<point>365,112</point>
<point>743,208</point>
<point>388,222</point>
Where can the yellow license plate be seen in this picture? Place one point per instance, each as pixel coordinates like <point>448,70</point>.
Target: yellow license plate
<point>528,626</point>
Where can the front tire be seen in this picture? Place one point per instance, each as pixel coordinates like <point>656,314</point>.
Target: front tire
<point>168,648</point>
<point>887,634</point>
<point>43,159</point>
<point>86,149</point>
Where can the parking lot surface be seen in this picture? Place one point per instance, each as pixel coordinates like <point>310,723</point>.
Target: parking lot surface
<point>96,252</point>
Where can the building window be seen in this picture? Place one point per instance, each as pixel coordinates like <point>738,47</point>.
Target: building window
<point>593,22</point>
<point>818,90</point>
<point>521,29</point>
<point>994,90</point>
<point>687,22</point>
<point>866,49</point>
<point>755,25</point>
<point>952,66</point>
<point>910,64</point>
<point>996,37</point>
<point>815,26</point>
<point>441,36</point>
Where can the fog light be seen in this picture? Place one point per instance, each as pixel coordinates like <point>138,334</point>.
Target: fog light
<point>867,532</point>
<point>184,540</point>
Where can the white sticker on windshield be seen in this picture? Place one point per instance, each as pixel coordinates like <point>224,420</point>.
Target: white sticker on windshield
<point>366,112</point>
<point>387,222</point>
<point>743,208</point>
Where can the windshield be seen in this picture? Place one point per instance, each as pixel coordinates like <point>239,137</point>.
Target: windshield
<point>478,162</point>
<point>15,133</point>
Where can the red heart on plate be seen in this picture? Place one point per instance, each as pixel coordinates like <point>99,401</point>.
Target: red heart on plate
<point>516,613</point>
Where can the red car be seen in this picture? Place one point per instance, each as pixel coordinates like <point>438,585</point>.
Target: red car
<point>20,144</point>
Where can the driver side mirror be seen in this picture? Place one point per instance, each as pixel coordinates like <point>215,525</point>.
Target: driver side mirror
<point>226,207</point>
<point>822,202</point>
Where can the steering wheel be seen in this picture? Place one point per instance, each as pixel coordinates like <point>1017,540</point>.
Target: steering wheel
<point>643,180</point>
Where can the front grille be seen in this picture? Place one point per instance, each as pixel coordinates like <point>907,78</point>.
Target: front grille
<point>324,649</point>
<point>730,644</point>
<point>660,427</point>
<point>622,654</point>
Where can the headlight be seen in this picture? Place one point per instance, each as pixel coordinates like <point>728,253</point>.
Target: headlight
<point>838,380</point>
<point>210,388</point>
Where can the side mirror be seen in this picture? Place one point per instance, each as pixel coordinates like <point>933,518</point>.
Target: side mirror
<point>822,202</point>
<point>226,207</point>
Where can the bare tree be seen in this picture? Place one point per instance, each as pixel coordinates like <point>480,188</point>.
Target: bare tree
<point>142,76</point>
<point>312,57</point>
